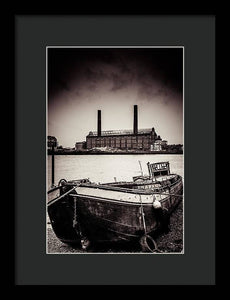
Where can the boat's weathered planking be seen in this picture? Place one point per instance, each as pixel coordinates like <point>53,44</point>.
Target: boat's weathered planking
<point>109,221</point>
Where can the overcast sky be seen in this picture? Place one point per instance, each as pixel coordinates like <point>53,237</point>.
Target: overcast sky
<point>83,80</point>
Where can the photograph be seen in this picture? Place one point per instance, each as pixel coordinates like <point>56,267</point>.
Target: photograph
<point>115,150</point>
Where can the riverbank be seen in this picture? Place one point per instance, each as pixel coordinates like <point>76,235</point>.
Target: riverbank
<point>171,242</point>
<point>109,153</point>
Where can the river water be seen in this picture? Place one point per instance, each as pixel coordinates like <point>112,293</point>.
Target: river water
<point>108,168</point>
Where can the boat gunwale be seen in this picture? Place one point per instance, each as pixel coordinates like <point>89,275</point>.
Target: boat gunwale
<point>117,189</point>
<point>121,202</point>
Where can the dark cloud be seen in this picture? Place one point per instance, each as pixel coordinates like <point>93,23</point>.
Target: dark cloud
<point>122,67</point>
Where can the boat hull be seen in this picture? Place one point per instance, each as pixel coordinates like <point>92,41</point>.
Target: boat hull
<point>75,217</point>
<point>61,217</point>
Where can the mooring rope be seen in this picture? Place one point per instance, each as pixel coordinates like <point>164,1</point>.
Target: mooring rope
<point>147,236</point>
<point>60,197</point>
<point>143,215</point>
<point>75,213</point>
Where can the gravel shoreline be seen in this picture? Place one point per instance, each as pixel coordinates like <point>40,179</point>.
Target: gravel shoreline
<point>171,242</point>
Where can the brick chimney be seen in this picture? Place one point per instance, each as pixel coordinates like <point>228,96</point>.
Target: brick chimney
<point>99,123</point>
<point>135,121</point>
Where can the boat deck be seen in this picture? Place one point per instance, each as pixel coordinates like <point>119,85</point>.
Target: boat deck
<point>156,180</point>
<point>162,178</point>
<point>165,177</point>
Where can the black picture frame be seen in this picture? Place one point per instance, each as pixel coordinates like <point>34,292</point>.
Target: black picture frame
<point>32,34</point>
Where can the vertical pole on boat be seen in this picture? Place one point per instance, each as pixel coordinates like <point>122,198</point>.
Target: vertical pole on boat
<point>140,167</point>
<point>149,168</point>
<point>52,166</point>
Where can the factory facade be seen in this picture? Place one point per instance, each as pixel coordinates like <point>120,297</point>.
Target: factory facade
<point>136,139</point>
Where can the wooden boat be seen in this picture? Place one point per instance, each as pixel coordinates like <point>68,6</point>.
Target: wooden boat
<point>84,212</point>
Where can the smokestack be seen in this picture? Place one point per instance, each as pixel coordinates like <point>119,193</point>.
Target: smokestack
<point>135,122</point>
<point>99,123</point>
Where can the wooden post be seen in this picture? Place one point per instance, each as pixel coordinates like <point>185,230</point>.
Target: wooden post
<point>52,166</point>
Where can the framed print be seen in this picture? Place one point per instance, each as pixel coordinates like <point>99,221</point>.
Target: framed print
<point>111,115</point>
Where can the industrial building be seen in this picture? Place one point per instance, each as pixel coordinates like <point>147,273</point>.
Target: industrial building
<point>80,145</point>
<point>136,139</point>
<point>52,142</point>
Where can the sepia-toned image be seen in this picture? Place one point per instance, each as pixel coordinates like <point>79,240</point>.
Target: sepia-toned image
<point>115,155</point>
